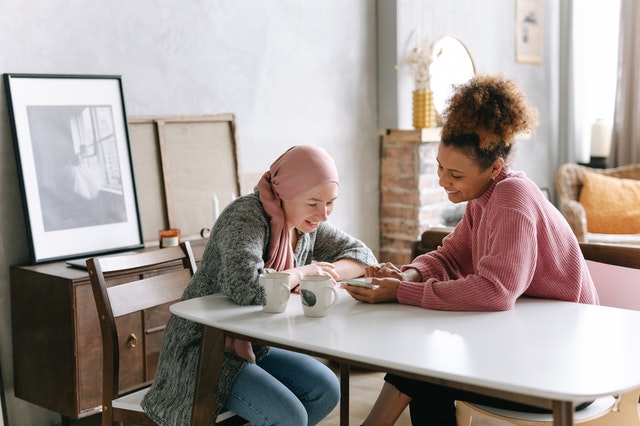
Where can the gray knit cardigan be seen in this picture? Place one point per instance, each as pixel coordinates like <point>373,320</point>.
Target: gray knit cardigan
<point>232,261</point>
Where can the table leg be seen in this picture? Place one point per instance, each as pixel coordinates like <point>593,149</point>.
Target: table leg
<point>208,376</point>
<point>562,413</point>
<point>344,393</point>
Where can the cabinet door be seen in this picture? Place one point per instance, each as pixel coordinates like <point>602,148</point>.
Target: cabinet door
<point>89,350</point>
<point>155,322</point>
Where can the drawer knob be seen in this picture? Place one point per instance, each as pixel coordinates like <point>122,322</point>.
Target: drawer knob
<point>132,341</point>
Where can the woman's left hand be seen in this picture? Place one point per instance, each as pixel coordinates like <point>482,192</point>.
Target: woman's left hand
<point>386,291</point>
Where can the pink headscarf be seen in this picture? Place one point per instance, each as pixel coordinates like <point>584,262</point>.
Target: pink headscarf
<point>296,171</point>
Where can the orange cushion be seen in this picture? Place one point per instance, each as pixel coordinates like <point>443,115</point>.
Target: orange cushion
<point>612,204</point>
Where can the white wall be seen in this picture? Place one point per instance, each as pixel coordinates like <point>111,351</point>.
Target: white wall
<point>292,71</point>
<point>488,29</point>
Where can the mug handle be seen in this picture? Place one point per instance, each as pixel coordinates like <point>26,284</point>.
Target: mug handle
<point>285,292</point>
<point>334,295</point>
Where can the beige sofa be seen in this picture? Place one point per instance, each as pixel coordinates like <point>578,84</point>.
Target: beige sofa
<point>569,184</point>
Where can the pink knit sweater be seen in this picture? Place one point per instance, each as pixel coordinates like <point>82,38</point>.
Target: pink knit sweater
<point>510,242</point>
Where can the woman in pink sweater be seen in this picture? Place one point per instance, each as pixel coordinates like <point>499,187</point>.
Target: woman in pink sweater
<point>510,242</point>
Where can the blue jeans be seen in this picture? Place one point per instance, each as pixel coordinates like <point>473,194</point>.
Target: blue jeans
<point>284,388</point>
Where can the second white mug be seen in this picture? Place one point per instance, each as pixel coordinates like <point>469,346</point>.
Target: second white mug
<point>317,294</point>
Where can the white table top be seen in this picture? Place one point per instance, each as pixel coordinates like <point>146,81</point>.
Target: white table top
<point>550,349</point>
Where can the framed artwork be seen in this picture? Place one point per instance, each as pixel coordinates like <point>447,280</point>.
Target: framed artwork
<point>3,404</point>
<point>72,151</point>
<point>529,31</point>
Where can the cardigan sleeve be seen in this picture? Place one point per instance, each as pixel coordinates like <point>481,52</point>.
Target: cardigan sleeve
<point>332,244</point>
<point>233,258</point>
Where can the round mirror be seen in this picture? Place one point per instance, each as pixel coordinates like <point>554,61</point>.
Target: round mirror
<point>451,64</point>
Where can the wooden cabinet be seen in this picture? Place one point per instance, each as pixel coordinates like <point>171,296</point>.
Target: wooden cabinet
<point>57,357</point>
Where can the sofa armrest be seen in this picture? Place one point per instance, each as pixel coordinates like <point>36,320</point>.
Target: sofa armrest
<point>577,218</point>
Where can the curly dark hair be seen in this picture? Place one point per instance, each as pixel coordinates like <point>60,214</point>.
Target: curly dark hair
<point>484,116</point>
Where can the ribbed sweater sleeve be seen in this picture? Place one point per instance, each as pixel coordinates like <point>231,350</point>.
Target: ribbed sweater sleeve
<point>510,242</point>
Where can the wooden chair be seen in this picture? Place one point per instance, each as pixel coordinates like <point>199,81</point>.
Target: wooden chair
<point>430,240</point>
<point>121,292</point>
<point>609,411</point>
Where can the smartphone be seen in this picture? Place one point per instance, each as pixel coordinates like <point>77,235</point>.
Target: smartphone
<point>359,282</point>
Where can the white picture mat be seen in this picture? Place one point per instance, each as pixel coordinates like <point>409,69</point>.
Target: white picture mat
<point>54,91</point>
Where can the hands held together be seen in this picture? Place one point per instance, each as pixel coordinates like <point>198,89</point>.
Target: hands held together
<point>386,278</point>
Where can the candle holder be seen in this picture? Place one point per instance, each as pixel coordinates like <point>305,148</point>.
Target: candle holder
<point>169,237</point>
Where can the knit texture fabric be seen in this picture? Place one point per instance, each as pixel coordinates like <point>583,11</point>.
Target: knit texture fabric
<point>232,261</point>
<point>510,242</point>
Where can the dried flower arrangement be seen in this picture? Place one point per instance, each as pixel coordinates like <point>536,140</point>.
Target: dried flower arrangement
<point>419,62</point>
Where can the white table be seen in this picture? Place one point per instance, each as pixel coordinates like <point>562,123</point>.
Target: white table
<point>546,353</point>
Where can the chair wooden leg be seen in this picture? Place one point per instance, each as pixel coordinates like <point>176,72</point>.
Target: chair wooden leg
<point>344,392</point>
<point>209,367</point>
<point>463,414</point>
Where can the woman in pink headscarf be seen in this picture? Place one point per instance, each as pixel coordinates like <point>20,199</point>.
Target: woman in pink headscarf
<point>282,226</point>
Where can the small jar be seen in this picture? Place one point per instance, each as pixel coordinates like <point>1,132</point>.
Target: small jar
<point>169,237</point>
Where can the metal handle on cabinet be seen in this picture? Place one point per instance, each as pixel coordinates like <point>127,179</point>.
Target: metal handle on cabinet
<point>132,341</point>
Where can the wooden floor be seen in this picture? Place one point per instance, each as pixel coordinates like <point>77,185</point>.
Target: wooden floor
<point>364,387</point>
<point>363,391</point>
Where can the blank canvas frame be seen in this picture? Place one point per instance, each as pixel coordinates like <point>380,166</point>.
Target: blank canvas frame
<point>184,167</point>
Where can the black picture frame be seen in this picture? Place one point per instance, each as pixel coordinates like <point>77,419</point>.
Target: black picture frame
<point>3,420</point>
<point>74,163</point>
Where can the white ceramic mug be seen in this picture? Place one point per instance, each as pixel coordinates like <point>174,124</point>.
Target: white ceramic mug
<point>276,291</point>
<point>317,294</point>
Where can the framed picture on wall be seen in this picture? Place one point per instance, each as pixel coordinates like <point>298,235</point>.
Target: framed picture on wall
<point>73,158</point>
<point>529,31</point>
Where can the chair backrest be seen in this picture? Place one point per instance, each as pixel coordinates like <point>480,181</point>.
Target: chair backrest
<point>430,240</point>
<point>615,270</point>
<point>132,283</point>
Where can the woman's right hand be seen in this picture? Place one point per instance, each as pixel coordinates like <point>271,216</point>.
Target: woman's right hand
<point>317,268</point>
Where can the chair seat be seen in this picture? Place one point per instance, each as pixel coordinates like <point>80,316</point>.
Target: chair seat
<point>131,401</point>
<point>599,407</point>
